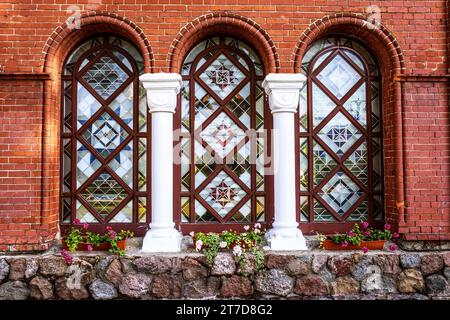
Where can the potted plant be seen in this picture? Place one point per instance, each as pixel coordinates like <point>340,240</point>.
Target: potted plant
<point>362,236</point>
<point>240,244</point>
<point>80,239</point>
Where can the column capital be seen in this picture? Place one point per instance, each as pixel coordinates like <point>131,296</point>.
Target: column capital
<point>162,90</point>
<point>283,90</point>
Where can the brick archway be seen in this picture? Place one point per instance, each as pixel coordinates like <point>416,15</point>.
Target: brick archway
<point>64,38</point>
<point>59,44</point>
<point>223,23</point>
<point>379,38</point>
<point>387,51</point>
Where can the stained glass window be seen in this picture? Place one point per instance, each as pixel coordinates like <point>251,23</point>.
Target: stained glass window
<point>105,135</point>
<point>222,173</point>
<point>340,136</point>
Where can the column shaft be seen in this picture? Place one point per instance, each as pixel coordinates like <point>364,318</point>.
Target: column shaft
<point>162,91</point>
<point>162,172</point>
<point>283,91</point>
<point>284,155</point>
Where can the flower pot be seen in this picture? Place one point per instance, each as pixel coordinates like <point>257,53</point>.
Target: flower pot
<point>105,246</point>
<point>371,245</point>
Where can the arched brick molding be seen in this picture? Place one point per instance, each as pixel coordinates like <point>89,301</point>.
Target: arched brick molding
<point>63,39</point>
<point>390,58</point>
<point>60,43</point>
<point>379,39</point>
<point>223,23</point>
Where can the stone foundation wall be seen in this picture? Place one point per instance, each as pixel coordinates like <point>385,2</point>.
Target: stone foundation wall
<point>306,275</point>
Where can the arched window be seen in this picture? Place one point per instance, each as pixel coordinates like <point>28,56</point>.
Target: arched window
<point>222,120</point>
<point>340,136</point>
<point>104,137</point>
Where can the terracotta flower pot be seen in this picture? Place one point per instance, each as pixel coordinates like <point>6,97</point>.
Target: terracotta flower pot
<point>105,246</point>
<point>371,245</point>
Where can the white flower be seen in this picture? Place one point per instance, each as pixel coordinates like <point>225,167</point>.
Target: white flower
<point>198,245</point>
<point>246,228</point>
<point>257,225</point>
<point>257,231</point>
<point>223,244</point>
<point>192,233</point>
<point>237,251</point>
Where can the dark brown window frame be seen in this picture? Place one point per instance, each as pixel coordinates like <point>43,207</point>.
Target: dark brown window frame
<point>101,50</point>
<point>251,78</point>
<point>340,225</point>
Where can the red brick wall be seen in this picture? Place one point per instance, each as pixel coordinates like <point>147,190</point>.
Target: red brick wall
<point>415,36</point>
<point>22,224</point>
<point>427,165</point>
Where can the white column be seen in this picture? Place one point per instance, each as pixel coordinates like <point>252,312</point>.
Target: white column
<point>283,91</point>
<point>162,90</point>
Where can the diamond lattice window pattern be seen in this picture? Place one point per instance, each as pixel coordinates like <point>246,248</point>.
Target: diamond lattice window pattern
<point>222,193</point>
<point>222,76</point>
<point>105,134</point>
<point>340,192</point>
<point>339,134</point>
<point>105,77</point>
<point>338,76</point>
<point>222,134</point>
<point>104,194</point>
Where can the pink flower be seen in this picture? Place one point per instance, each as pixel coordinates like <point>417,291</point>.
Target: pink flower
<point>85,226</point>
<point>68,259</point>
<point>66,255</point>
<point>395,235</point>
<point>365,225</point>
<point>108,228</point>
<point>351,233</point>
<point>76,221</point>
<point>365,249</point>
<point>344,244</point>
<point>246,228</point>
<point>90,247</point>
<point>393,247</point>
<point>112,234</point>
<point>387,226</point>
<point>192,233</point>
<point>366,233</point>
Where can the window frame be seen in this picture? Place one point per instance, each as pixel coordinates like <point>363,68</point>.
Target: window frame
<point>105,45</point>
<point>311,133</point>
<point>192,77</point>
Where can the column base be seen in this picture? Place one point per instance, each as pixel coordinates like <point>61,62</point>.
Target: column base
<point>162,240</point>
<point>280,239</point>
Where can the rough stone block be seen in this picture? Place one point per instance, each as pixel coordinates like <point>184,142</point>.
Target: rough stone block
<point>274,281</point>
<point>431,263</point>
<point>236,286</point>
<point>410,281</point>
<point>311,285</point>
<point>153,264</point>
